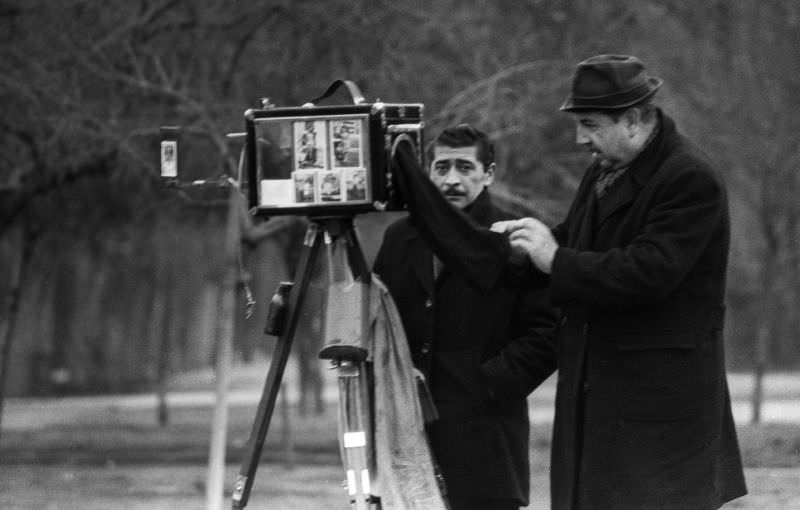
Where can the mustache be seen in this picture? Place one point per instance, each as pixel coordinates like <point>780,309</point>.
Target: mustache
<point>453,191</point>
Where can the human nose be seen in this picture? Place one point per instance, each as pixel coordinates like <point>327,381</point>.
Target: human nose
<point>451,178</point>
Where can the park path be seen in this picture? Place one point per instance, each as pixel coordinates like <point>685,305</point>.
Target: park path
<point>781,405</point>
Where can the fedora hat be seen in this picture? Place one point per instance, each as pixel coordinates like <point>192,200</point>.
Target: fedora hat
<point>610,82</point>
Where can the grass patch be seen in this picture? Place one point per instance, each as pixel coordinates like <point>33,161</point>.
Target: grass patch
<point>308,438</point>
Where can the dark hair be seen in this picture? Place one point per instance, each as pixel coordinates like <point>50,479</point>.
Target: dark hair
<point>466,135</point>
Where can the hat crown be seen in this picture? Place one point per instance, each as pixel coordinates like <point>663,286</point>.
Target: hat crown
<point>607,74</point>
<point>610,82</point>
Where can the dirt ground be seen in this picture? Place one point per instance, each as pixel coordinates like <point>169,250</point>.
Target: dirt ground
<point>70,487</point>
<point>92,453</point>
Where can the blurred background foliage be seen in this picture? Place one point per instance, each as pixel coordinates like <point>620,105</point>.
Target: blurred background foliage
<point>104,273</point>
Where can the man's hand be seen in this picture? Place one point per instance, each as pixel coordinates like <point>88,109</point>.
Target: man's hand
<point>532,238</point>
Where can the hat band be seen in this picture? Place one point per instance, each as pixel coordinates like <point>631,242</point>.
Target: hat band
<point>616,100</point>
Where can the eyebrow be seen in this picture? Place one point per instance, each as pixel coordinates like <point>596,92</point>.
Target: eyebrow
<point>458,160</point>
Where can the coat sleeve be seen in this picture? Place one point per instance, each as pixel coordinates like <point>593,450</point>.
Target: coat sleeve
<point>530,357</point>
<point>686,211</point>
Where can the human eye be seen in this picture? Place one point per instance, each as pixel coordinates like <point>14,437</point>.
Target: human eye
<point>465,167</point>
<point>441,167</point>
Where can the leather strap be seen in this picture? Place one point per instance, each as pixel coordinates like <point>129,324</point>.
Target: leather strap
<point>352,88</point>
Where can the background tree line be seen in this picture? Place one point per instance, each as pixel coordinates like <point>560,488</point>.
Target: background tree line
<point>104,273</point>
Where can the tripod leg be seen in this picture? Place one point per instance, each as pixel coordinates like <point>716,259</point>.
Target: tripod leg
<point>266,406</point>
<point>356,438</point>
<point>346,332</point>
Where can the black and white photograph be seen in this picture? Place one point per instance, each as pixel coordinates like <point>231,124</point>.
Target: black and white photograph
<point>169,158</point>
<point>305,186</point>
<point>346,142</point>
<point>355,180</point>
<point>330,185</point>
<point>439,255</point>
<point>310,144</point>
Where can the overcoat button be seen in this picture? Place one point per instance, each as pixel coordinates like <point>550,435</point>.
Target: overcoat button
<point>428,303</point>
<point>425,348</point>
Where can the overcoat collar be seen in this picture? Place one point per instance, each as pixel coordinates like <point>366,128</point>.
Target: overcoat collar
<point>639,172</point>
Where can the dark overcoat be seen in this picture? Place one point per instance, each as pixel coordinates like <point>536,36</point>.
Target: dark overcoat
<point>643,417</point>
<point>482,354</point>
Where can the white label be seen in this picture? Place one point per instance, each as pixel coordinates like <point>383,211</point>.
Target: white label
<point>365,481</point>
<point>277,192</point>
<point>355,439</point>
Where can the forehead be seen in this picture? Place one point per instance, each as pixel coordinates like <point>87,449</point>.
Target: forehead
<point>442,152</point>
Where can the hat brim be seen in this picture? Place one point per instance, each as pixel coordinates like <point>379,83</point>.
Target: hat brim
<point>614,101</point>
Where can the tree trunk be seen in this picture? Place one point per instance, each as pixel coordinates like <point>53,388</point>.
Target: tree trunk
<point>759,368</point>
<point>766,326</point>
<point>160,333</point>
<point>8,320</point>
<point>224,355</point>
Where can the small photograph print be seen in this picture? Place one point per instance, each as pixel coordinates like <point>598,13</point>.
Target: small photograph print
<point>330,186</point>
<point>169,158</point>
<point>355,181</point>
<point>309,144</point>
<point>346,142</point>
<point>305,187</point>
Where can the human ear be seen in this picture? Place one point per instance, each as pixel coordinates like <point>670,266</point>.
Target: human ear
<point>489,171</point>
<point>632,118</point>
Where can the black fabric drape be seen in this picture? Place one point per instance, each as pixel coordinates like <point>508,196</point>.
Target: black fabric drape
<point>473,252</point>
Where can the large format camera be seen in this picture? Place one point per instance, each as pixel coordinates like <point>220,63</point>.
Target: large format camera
<point>327,160</point>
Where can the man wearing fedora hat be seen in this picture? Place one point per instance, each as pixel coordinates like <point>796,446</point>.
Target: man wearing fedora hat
<point>643,417</point>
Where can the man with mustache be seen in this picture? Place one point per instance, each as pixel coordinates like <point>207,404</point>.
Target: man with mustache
<point>481,353</point>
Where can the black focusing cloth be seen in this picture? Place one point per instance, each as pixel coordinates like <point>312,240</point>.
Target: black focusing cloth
<point>470,251</point>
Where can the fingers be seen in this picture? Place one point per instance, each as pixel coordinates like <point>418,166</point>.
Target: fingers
<point>529,238</point>
<point>509,226</point>
<point>532,237</point>
<point>499,227</point>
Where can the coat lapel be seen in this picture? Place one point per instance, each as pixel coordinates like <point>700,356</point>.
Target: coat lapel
<point>618,196</point>
<point>582,236</point>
